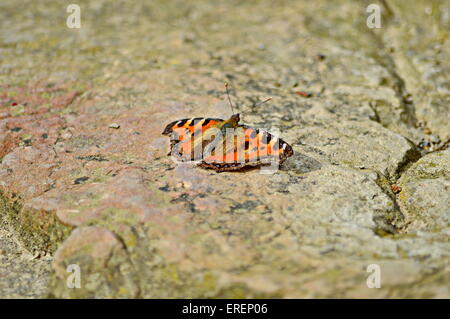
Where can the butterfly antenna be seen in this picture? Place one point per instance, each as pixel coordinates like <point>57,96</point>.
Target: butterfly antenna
<point>229,99</point>
<point>262,102</point>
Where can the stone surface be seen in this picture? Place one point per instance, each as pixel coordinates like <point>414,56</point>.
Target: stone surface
<point>101,261</point>
<point>84,175</point>
<point>424,197</point>
<point>22,274</point>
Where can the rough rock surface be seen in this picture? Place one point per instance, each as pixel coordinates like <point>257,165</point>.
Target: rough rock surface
<point>424,196</point>
<point>84,174</point>
<point>22,275</point>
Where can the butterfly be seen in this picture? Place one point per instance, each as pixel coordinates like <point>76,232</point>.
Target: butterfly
<point>224,145</point>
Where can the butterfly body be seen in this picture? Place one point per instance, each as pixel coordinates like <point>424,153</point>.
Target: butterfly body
<point>224,145</point>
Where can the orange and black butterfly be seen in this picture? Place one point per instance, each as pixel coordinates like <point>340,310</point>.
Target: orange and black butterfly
<point>224,145</point>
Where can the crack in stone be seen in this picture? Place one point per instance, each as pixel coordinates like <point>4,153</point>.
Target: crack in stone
<point>130,260</point>
<point>407,114</point>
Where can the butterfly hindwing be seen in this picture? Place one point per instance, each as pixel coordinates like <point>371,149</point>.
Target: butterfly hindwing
<point>254,148</point>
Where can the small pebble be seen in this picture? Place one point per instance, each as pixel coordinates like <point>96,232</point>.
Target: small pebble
<point>396,189</point>
<point>36,255</point>
<point>304,94</point>
<point>66,135</point>
<point>320,57</point>
<point>80,180</point>
<point>424,145</point>
<point>187,184</point>
<point>114,125</point>
<point>408,99</point>
<point>435,139</point>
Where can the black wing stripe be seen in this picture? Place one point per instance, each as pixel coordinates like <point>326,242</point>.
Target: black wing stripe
<point>182,122</point>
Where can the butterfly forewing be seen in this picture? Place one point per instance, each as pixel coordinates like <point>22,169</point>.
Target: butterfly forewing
<point>186,136</point>
<point>191,124</point>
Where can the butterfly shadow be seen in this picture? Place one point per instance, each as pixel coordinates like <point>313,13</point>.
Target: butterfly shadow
<point>301,164</point>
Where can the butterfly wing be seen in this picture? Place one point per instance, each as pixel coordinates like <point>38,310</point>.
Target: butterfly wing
<point>246,148</point>
<point>250,147</point>
<point>183,132</point>
<point>191,124</point>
